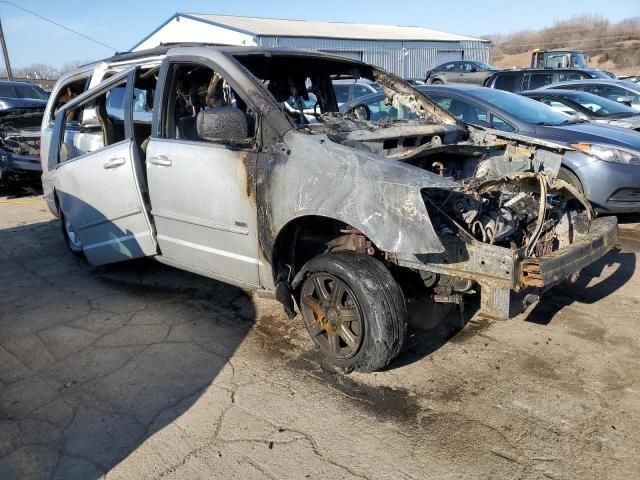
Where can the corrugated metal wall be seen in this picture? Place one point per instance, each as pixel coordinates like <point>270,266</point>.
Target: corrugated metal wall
<point>407,59</point>
<point>476,51</point>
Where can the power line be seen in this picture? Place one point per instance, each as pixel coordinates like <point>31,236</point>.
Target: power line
<point>60,25</point>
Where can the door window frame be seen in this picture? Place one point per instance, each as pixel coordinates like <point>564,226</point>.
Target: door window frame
<point>163,91</point>
<point>61,115</point>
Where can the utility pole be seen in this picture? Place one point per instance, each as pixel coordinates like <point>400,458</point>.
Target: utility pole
<point>5,53</point>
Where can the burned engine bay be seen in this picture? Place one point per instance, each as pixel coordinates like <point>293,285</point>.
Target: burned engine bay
<point>506,205</point>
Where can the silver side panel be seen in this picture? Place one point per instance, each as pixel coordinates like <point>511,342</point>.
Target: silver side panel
<point>201,207</point>
<point>104,204</point>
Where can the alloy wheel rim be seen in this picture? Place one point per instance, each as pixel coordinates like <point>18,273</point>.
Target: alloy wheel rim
<point>332,315</point>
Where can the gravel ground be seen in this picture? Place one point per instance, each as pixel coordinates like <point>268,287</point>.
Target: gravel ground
<point>137,370</point>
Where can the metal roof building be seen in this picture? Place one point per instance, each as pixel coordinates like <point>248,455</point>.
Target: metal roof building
<point>406,51</point>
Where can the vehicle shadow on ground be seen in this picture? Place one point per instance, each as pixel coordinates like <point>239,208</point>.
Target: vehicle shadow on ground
<point>595,282</point>
<point>93,361</point>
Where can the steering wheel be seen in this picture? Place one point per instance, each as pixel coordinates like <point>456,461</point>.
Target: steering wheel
<point>360,111</point>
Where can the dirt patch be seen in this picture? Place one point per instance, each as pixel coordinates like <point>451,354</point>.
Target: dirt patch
<point>471,329</point>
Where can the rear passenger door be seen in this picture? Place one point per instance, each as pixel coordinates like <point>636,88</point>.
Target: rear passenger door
<point>97,178</point>
<point>454,73</point>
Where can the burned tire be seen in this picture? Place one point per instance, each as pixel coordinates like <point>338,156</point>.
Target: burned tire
<point>354,310</point>
<point>70,237</point>
<point>571,178</point>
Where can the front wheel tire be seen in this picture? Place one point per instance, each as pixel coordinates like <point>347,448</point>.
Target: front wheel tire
<point>571,178</point>
<point>354,310</point>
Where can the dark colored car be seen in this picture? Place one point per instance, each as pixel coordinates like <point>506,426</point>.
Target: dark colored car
<point>601,160</point>
<point>472,72</point>
<point>518,80</point>
<point>588,107</point>
<point>21,108</point>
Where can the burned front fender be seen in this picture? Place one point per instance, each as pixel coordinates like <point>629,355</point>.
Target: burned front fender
<point>311,175</point>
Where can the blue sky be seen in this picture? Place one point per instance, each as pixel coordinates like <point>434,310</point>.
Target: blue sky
<point>122,23</point>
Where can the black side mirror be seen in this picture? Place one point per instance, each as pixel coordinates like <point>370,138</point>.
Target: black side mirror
<point>223,125</point>
<point>474,69</point>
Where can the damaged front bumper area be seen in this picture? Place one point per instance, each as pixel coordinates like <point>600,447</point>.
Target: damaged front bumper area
<point>20,144</point>
<point>512,239</point>
<point>561,264</point>
<point>13,165</point>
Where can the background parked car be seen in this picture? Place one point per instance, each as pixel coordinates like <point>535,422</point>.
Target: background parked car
<point>622,91</point>
<point>518,80</point>
<point>588,106</point>
<point>602,161</point>
<point>22,90</point>
<point>350,89</point>
<point>461,72</point>
<point>558,59</point>
<point>21,107</point>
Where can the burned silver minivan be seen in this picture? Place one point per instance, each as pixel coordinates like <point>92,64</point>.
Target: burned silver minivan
<point>236,164</point>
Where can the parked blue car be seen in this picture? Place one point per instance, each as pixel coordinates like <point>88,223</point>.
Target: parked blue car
<point>603,161</point>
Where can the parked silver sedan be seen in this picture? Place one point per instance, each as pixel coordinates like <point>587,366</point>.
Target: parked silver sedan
<point>622,91</point>
<point>469,71</point>
<point>588,106</point>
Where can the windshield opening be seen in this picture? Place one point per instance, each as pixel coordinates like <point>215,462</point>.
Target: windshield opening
<point>22,91</point>
<point>313,89</point>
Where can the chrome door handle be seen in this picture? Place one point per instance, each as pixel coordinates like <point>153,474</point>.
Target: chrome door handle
<point>161,160</point>
<point>114,162</point>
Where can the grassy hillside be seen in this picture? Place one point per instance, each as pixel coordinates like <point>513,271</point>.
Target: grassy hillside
<point>610,46</point>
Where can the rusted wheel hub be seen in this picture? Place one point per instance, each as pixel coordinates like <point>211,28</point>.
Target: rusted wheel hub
<point>332,315</point>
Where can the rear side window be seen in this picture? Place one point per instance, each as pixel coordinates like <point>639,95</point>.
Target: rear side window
<point>500,124</point>
<point>7,91</point>
<point>360,90</point>
<point>68,92</point>
<point>92,125</point>
<point>567,76</point>
<point>537,80</point>
<point>27,91</point>
<point>508,81</point>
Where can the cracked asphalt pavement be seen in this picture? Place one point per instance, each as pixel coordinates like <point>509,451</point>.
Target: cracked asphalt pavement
<point>138,370</point>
